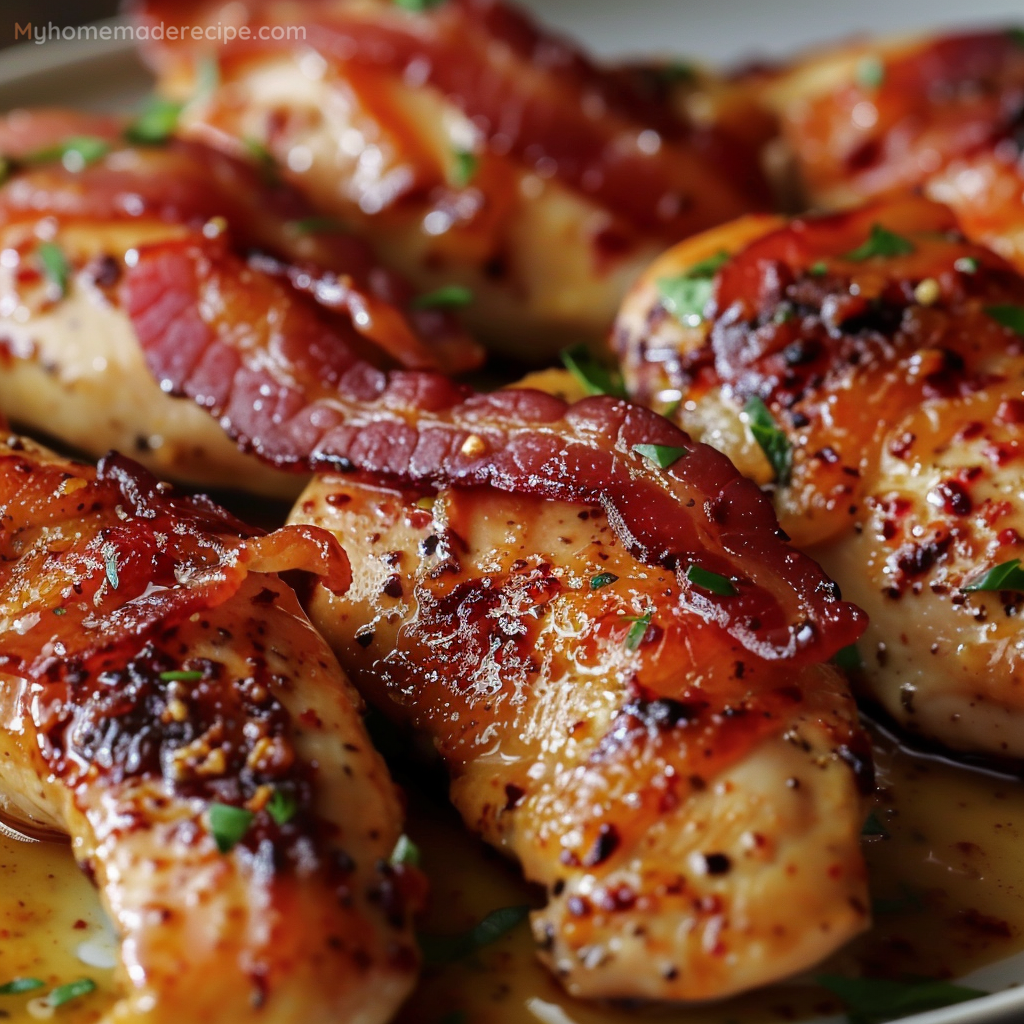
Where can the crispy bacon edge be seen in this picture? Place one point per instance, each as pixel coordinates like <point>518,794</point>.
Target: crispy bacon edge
<point>301,398</point>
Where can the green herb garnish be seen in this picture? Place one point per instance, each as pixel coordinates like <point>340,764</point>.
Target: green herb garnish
<point>873,826</point>
<point>282,807</point>
<point>594,377</point>
<point>156,123</point>
<point>880,242</point>
<point>73,990</point>
<point>909,900</point>
<point>708,580</point>
<point>60,611</point>
<point>317,226</point>
<point>870,72</point>
<point>75,153</point>
<point>819,268</point>
<point>771,439</point>
<point>417,5</point>
<point>207,77</point>
<point>265,161</point>
<point>602,579</point>
<point>1005,576</point>
<point>453,296</point>
<point>871,1000</point>
<point>637,630</point>
<point>687,295</point>
<point>446,949</point>
<point>109,553</point>
<point>181,676</point>
<point>464,167</point>
<point>848,658</point>
<point>1009,316</point>
<point>967,264</point>
<point>228,825</point>
<point>406,852</point>
<point>20,986</point>
<point>677,71</point>
<point>662,455</point>
<point>55,265</point>
<point>1016,35</point>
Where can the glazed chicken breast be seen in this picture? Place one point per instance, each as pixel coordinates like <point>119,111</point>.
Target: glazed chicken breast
<point>473,148</point>
<point>589,616</point>
<point>868,368</point>
<point>165,703</point>
<point>942,113</point>
<point>79,201</point>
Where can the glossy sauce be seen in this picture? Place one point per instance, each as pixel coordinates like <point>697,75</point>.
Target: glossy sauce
<point>946,882</point>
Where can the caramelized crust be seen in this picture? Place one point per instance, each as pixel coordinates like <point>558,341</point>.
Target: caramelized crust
<point>692,811</point>
<point>941,112</point>
<point>895,379</point>
<point>69,363</point>
<point>472,146</point>
<point>155,672</point>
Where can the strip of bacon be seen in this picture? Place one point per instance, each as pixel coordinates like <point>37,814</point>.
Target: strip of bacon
<point>531,94</point>
<point>259,357</point>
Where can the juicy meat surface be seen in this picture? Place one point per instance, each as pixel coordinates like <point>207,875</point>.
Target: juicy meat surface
<point>887,351</point>
<point>164,702</point>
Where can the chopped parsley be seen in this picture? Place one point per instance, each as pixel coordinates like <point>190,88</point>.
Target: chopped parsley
<point>228,825</point>
<point>677,71</point>
<point>909,899</point>
<point>870,72</point>
<point>771,439</point>
<point>873,826</point>
<point>417,5</point>
<point>1005,576</point>
<point>73,990</point>
<point>55,265</point>
<point>602,579</point>
<point>76,152</point>
<point>637,630</point>
<point>967,264</point>
<point>20,986</point>
<point>156,123</point>
<point>881,242</point>
<point>1009,316</point>
<point>594,377</point>
<point>446,949</point>
<point>406,852</point>
<point>686,296</point>
<point>464,167</point>
<point>712,581</point>
<point>848,658</point>
<point>265,161</point>
<point>819,268</point>
<point>109,553</point>
<point>872,1000</point>
<point>181,676</point>
<point>60,611</point>
<point>282,807</point>
<point>453,296</point>
<point>662,455</point>
<point>207,77</point>
<point>317,226</point>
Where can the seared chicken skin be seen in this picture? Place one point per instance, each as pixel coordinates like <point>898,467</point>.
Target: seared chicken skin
<point>888,354</point>
<point>589,616</point>
<point>939,112</point>
<point>473,148</point>
<point>69,364</point>
<point>164,701</point>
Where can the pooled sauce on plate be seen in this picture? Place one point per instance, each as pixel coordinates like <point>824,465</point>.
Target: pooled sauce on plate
<point>946,881</point>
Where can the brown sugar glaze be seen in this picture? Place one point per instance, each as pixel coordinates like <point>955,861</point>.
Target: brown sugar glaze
<point>946,886</point>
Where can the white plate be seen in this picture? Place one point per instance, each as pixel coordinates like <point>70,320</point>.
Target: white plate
<point>98,75</point>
